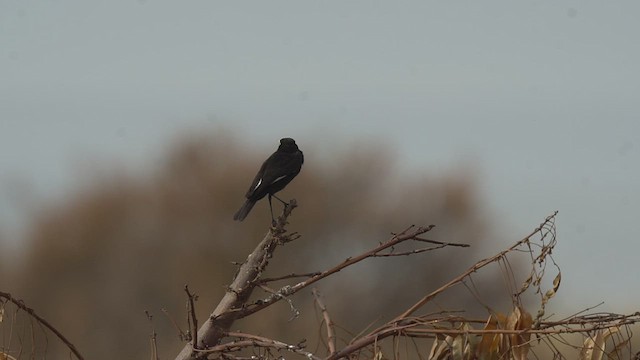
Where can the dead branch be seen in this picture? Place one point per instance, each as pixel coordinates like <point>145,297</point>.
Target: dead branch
<point>224,315</point>
<point>289,276</point>
<point>250,340</point>
<point>233,305</point>
<point>181,335</point>
<point>331,336</point>
<point>192,315</point>
<point>420,329</point>
<point>21,305</point>
<point>472,270</point>
<point>500,332</point>
<point>153,338</point>
<point>294,311</point>
<point>289,290</point>
<point>411,252</point>
<point>417,238</point>
<point>402,322</point>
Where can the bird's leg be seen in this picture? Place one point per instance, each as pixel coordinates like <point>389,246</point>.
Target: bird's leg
<point>282,201</point>
<point>273,221</point>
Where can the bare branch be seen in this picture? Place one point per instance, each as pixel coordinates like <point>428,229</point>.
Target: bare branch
<point>403,322</point>
<point>21,305</point>
<point>396,239</point>
<point>289,276</point>
<point>440,242</point>
<point>411,252</point>
<point>282,295</point>
<point>420,329</point>
<point>251,340</point>
<point>331,336</point>
<point>240,289</point>
<point>192,315</point>
<point>153,338</point>
<point>511,332</point>
<point>473,269</point>
<point>181,334</point>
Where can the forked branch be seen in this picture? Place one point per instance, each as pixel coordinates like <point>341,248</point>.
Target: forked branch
<point>234,304</point>
<point>225,314</point>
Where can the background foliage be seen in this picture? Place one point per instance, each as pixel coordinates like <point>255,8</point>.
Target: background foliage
<point>127,242</point>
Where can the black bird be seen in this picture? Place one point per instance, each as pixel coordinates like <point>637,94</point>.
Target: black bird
<point>274,174</point>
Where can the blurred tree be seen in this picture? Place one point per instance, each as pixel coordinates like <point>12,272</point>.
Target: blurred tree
<point>124,245</point>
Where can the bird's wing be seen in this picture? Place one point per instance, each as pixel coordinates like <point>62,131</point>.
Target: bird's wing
<point>257,181</point>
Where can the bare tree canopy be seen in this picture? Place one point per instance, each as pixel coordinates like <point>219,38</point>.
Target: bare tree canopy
<point>338,285</point>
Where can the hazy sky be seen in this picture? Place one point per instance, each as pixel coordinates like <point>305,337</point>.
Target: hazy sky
<point>542,97</point>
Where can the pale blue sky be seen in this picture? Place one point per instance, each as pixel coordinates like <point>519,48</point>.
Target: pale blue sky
<point>544,98</point>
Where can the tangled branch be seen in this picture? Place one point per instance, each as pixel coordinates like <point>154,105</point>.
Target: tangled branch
<point>6,297</point>
<point>451,334</point>
<point>234,304</point>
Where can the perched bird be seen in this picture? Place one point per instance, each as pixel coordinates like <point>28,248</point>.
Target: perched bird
<point>274,174</point>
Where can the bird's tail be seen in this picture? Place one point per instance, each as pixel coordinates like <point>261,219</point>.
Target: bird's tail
<point>244,210</point>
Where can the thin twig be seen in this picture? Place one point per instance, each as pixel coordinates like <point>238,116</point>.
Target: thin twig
<point>396,239</point>
<point>331,336</point>
<point>412,330</point>
<point>181,334</point>
<point>255,340</point>
<point>289,276</point>
<point>368,340</point>
<point>548,331</point>
<point>153,338</point>
<point>440,242</point>
<point>411,252</point>
<point>575,315</point>
<point>20,304</point>
<point>192,313</point>
<point>283,295</point>
<point>400,323</point>
<point>472,269</point>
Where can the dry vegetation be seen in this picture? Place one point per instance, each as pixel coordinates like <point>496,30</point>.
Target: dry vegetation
<point>95,264</point>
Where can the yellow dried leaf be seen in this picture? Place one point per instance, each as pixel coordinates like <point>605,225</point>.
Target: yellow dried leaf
<point>378,355</point>
<point>489,346</point>
<point>526,320</point>
<point>519,319</point>
<point>526,284</point>
<point>593,347</point>
<point>552,292</point>
<point>471,342</point>
<point>457,348</point>
<point>5,356</point>
<point>556,282</point>
<point>441,350</point>
<point>435,349</point>
<point>513,319</point>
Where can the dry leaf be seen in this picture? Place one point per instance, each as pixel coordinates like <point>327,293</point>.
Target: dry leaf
<point>519,319</point>
<point>490,345</point>
<point>593,347</point>
<point>441,350</point>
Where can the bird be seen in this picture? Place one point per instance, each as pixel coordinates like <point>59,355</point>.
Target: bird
<point>274,174</point>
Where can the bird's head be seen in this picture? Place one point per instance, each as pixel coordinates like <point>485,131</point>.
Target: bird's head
<point>288,145</point>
